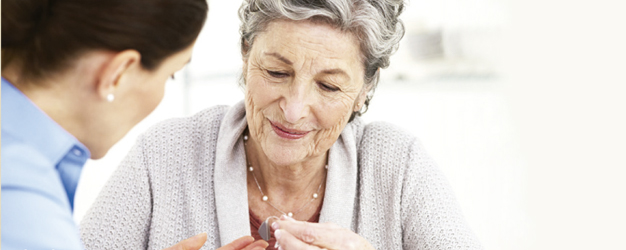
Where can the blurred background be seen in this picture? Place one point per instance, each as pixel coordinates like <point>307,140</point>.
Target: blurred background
<point>521,104</point>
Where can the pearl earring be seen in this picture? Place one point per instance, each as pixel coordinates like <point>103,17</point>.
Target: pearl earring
<point>110,97</point>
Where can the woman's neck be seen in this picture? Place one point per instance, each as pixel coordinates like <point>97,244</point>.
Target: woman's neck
<point>62,102</point>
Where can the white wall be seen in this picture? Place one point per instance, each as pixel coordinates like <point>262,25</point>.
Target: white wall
<point>566,86</point>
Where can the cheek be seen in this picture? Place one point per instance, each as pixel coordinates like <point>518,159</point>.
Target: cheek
<point>154,94</point>
<point>259,91</point>
<point>333,113</point>
<point>159,89</point>
<point>333,117</point>
<point>259,98</point>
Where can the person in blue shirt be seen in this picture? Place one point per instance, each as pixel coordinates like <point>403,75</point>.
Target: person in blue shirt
<point>77,75</point>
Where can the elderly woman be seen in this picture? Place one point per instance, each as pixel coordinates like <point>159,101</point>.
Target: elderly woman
<point>293,148</point>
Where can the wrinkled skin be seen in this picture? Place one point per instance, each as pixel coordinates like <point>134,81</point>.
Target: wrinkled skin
<point>316,93</point>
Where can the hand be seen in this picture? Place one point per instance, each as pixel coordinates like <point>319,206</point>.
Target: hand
<point>243,243</point>
<point>291,234</point>
<point>193,243</point>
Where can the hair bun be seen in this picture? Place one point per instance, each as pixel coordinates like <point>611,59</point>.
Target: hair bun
<point>20,20</point>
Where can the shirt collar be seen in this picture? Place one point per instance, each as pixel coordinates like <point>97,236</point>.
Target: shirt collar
<point>24,120</point>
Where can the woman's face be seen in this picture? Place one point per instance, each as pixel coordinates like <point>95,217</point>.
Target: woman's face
<point>150,89</point>
<point>303,81</point>
<point>139,96</point>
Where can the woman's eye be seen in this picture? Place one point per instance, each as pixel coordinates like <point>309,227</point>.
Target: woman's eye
<point>327,87</point>
<point>277,74</point>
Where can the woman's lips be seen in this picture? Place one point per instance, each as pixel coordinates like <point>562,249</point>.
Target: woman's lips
<point>286,133</point>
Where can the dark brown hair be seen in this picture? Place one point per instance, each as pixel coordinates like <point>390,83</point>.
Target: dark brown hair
<point>43,36</point>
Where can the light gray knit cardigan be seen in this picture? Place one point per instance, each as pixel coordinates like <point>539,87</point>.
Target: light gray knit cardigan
<point>186,176</point>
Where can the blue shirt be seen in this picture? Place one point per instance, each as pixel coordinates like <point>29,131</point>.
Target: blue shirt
<point>41,165</point>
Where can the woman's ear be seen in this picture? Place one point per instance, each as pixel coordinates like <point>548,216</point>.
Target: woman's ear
<point>115,71</point>
<point>360,100</point>
<point>245,54</point>
<point>244,70</point>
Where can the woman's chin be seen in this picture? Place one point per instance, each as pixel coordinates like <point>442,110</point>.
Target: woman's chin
<point>285,156</point>
<point>285,151</point>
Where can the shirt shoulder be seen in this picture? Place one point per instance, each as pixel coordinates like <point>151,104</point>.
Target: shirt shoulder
<point>25,166</point>
<point>36,212</point>
<point>387,154</point>
<point>385,136</point>
<point>36,208</point>
<point>191,140</point>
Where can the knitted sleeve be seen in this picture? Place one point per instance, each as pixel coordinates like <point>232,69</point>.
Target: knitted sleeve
<point>120,216</point>
<point>431,218</point>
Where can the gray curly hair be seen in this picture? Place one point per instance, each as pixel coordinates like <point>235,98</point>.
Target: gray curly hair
<point>375,23</point>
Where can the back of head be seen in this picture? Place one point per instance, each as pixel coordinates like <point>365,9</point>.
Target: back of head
<point>375,23</point>
<point>42,37</point>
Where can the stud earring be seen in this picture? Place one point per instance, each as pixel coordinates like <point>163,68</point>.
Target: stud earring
<point>110,97</point>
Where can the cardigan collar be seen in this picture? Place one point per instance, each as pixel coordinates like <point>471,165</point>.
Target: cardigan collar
<point>231,196</point>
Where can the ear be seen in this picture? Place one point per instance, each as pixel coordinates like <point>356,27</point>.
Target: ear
<point>118,67</point>
<point>245,54</point>
<point>244,66</point>
<point>244,71</point>
<point>245,50</point>
<point>360,100</point>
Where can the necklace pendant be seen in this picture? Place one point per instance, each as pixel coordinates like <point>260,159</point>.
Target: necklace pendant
<point>290,214</point>
<point>265,198</point>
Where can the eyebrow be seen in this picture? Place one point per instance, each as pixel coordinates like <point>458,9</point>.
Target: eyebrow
<point>334,71</point>
<point>327,71</point>
<point>279,57</point>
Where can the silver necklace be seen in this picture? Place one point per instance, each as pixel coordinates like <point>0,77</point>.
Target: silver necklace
<point>266,199</point>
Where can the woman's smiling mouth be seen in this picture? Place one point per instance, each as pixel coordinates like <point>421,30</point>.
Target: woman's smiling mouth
<point>287,133</point>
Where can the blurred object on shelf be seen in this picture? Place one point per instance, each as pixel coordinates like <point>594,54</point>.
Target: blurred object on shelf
<point>450,39</point>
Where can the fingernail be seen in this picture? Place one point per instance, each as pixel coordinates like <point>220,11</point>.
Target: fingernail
<point>275,226</point>
<point>277,235</point>
<point>285,217</point>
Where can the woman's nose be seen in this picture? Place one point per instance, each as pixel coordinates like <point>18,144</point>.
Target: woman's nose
<point>295,104</point>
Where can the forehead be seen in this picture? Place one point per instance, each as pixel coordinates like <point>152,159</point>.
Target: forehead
<point>302,40</point>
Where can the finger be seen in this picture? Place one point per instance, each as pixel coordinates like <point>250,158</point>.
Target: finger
<point>324,225</point>
<point>193,243</point>
<point>287,241</point>
<point>322,235</point>
<point>259,244</point>
<point>238,243</point>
